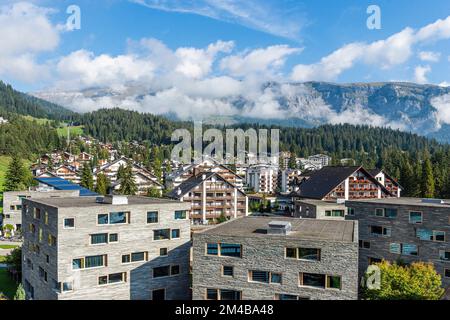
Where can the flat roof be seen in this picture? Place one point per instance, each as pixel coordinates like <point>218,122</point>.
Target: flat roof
<point>321,203</point>
<point>405,201</point>
<point>302,229</point>
<point>82,202</point>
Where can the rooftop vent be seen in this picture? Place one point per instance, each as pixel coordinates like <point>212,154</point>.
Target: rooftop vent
<point>279,227</point>
<point>113,199</point>
<point>433,201</point>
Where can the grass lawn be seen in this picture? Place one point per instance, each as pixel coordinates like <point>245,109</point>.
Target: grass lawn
<point>7,285</point>
<point>7,246</point>
<point>4,161</point>
<point>74,131</point>
<point>38,120</point>
<point>2,259</point>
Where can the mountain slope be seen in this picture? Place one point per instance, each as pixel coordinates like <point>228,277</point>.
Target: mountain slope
<point>20,103</point>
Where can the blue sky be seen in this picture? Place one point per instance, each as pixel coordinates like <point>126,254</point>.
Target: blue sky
<point>161,44</point>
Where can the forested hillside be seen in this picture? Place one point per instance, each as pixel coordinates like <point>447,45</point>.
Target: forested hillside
<point>21,103</point>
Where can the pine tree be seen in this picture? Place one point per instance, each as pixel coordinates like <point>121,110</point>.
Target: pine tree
<point>427,179</point>
<point>87,179</point>
<point>17,178</point>
<point>103,184</point>
<point>127,183</point>
<point>292,161</point>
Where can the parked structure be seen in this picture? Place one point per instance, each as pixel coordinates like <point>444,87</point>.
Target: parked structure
<point>110,248</point>
<point>211,196</point>
<point>256,258</point>
<point>406,229</point>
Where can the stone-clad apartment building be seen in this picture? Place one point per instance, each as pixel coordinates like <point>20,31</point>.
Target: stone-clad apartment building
<point>405,229</point>
<point>257,258</point>
<point>112,247</point>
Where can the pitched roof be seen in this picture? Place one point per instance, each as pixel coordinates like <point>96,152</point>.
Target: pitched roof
<point>376,171</point>
<point>323,181</point>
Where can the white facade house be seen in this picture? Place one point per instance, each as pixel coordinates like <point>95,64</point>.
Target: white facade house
<point>262,178</point>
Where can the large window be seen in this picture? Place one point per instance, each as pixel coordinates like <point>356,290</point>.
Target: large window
<point>212,249</point>
<point>180,215</point>
<point>309,254</point>
<point>113,218</point>
<point>320,281</point>
<point>99,238</point>
<point>380,231</point>
<point>430,235</point>
<point>135,257</point>
<point>152,217</point>
<point>334,213</point>
<point>161,234</point>
<point>230,250</point>
<point>113,278</point>
<point>444,255</point>
<point>415,217</point>
<point>282,296</point>
<point>291,253</point>
<point>265,276</point>
<point>89,262</point>
<point>160,272</point>
<point>386,212</point>
<point>222,294</point>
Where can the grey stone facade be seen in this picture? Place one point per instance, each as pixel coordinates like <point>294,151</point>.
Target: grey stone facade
<point>318,209</point>
<point>75,243</point>
<point>12,203</point>
<point>337,241</point>
<point>402,231</point>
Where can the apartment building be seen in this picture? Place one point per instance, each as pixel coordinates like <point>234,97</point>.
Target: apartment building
<point>405,229</point>
<point>262,178</point>
<point>257,258</point>
<point>12,203</point>
<point>105,248</point>
<point>211,196</point>
<point>342,183</point>
<point>289,180</point>
<point>387,181</point>
<point>318,209</point>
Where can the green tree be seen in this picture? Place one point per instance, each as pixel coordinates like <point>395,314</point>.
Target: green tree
<point>292,164</point>
<point>87,179</point>
<point>154,192</point>
<point>418,281</point>
<point>103,184</point>
<point>221,219</point>
<point>20,293</point>
<point>427,179</point>
<point>17,177</point>
<point>14,259</point>
<point>127,183</point>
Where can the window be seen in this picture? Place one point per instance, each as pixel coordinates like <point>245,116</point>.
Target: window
<point>159,295</point>
<point>291,253</point>
<point>161,234</point>
<point>430,235</point>
<point>67,286</point>
<point>175,233</point>
<point>444,255</point>
<point>334,213</point>
<point>395,248</point>
<point>230,295</point>
<point>230,250</point>
<point>113,218</point>
<point>46,217</point>
<point>89,262</point>
<point>118,217</point>
<point>372,260</point>
<point>309,254</point>
<point>40,234</point>
<point>174,270</point>
<point>312,280</point>
<point>180,215</point>
<point>380,231</point>
<point>334,282</point>
<point>163,252</point>
<point>410,249</point>
<point>282,296</point>
<point>228,271</point>
<point>379,212</point>
<point>37,213</point>
<point>265,276</point>
<point>69,223</point>
<point>152,217</point>
<point>100,238</point>
<point>113,278</point>
<point>212,249</point>
<point>160,272</point>
<point>135,257</point>
<point>212,294</point>
<point>415,217</point>
<point>447,273</point>
<point>51,240</point>
<point>364,244</point>
<point>113,237</point>
<point>390,213</point>
<point>351,211</point>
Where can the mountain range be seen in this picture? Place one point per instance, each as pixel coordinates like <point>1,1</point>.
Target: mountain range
<point>422,109</point>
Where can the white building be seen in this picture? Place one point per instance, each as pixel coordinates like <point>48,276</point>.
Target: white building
<point>262,178</point>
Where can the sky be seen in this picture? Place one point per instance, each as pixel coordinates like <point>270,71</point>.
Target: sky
<point>196,52</point>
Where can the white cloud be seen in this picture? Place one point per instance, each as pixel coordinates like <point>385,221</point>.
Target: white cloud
<point>275,20</point>
<point>25,32</point>
<point>442,106</point>
<point>263,60</point>
<point>420,74</point>
<point>429,56</point>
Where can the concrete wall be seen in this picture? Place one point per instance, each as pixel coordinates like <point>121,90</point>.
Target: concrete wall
<point>137,236</point>
<point>316,211</point>
<point>268,254</point>
<point>434,218</point>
